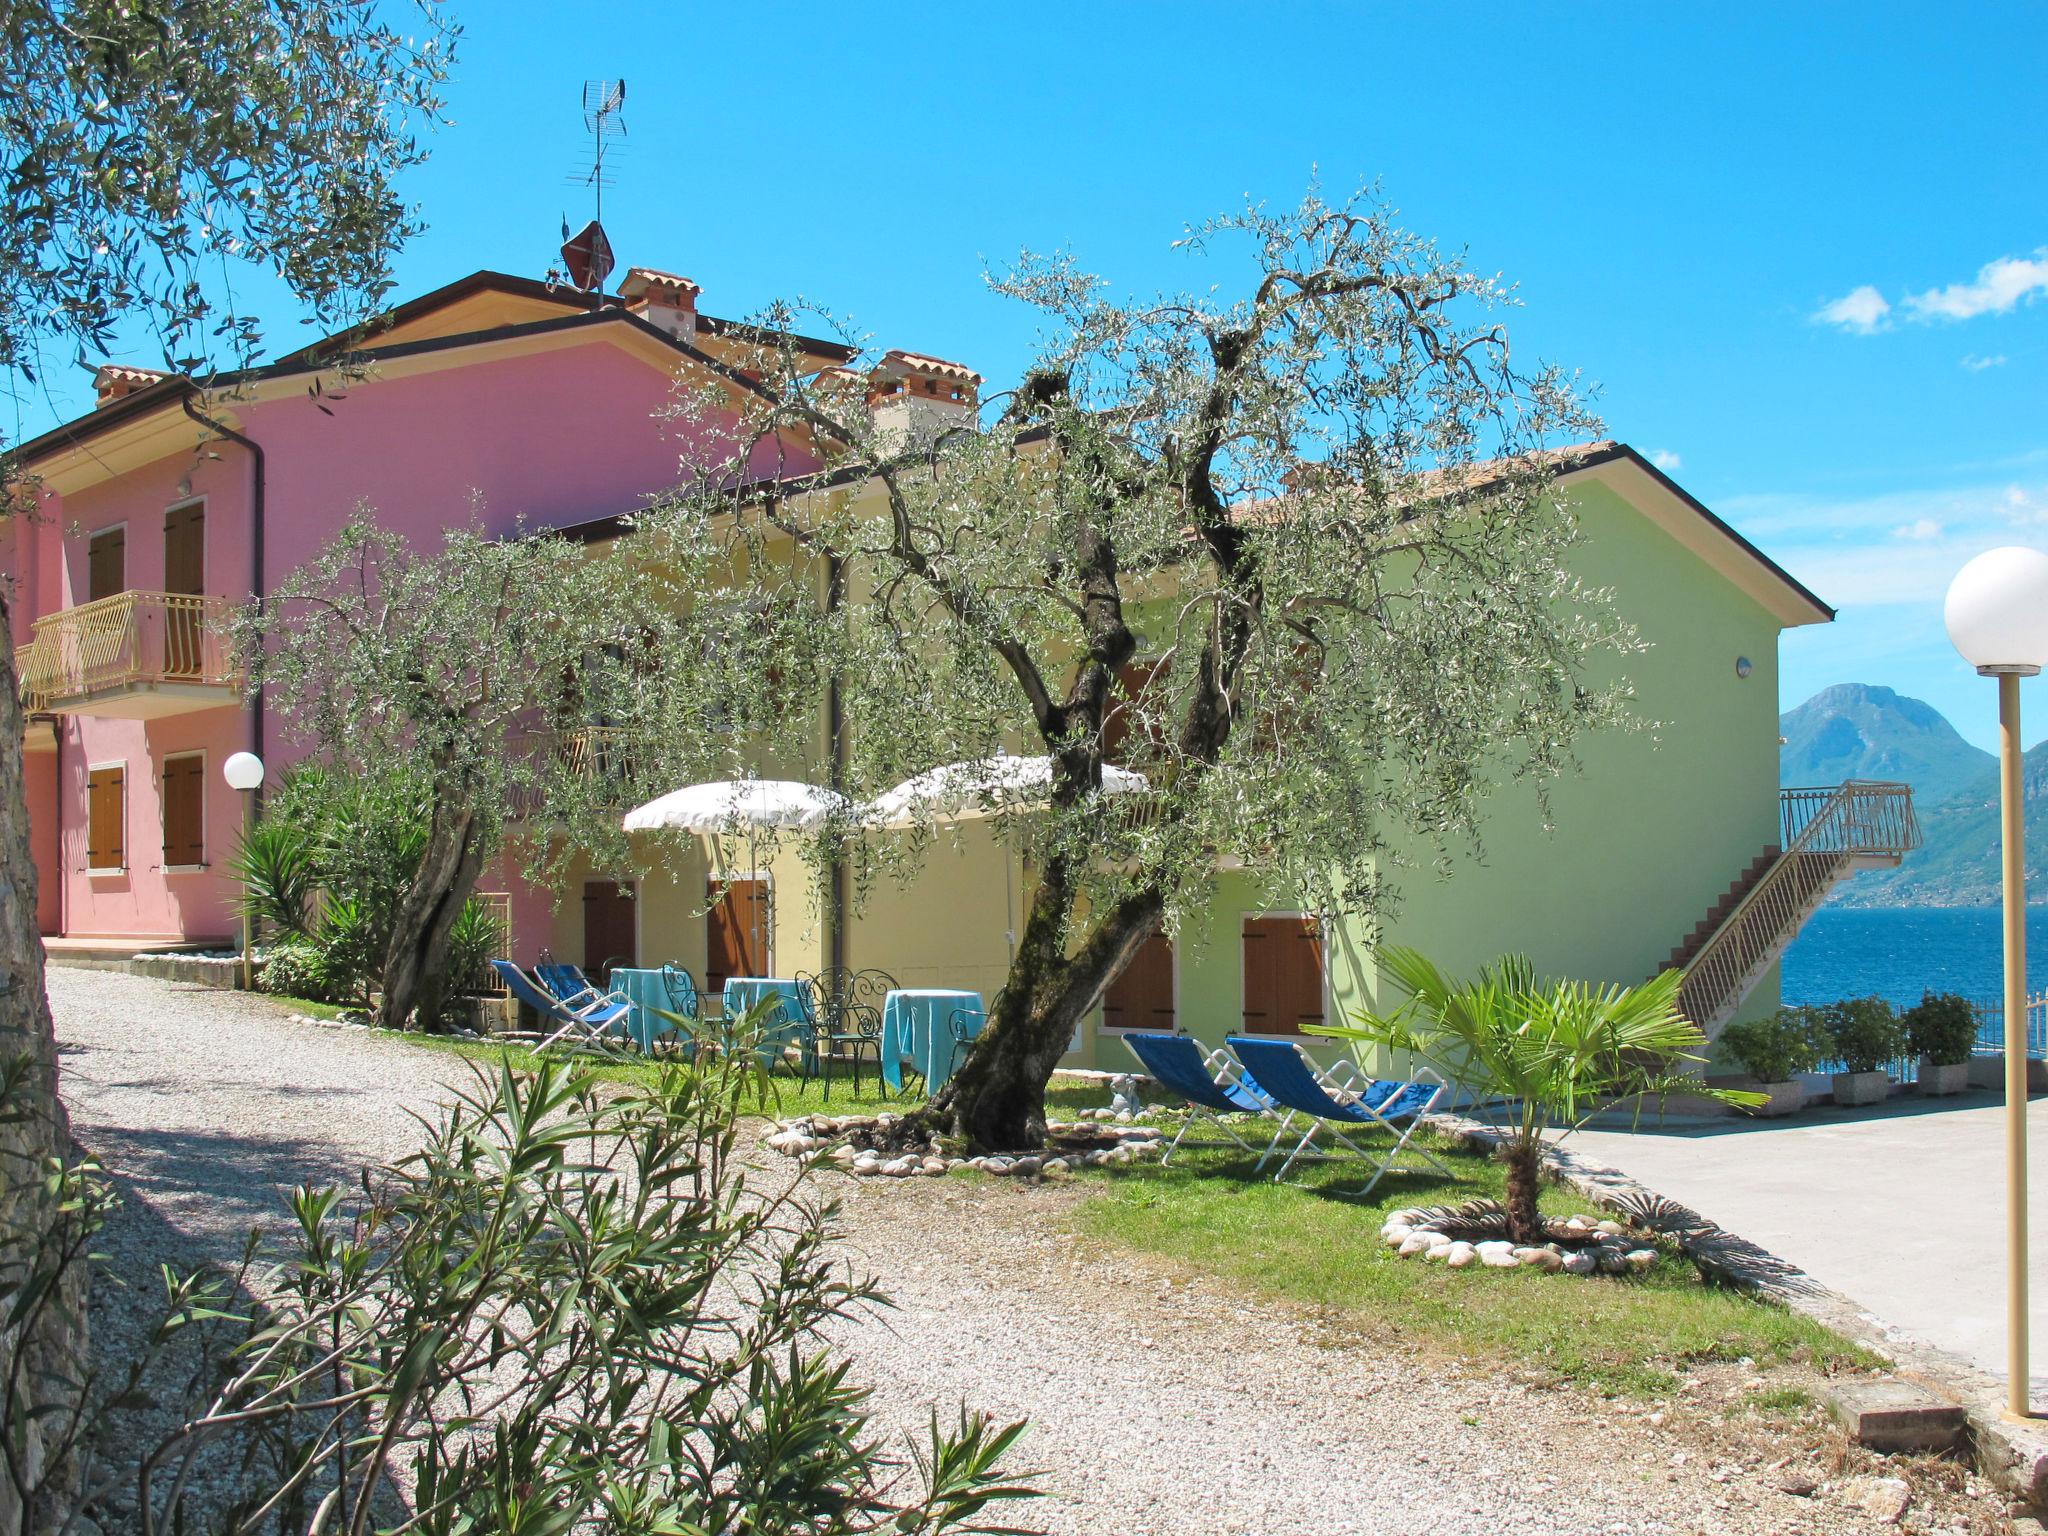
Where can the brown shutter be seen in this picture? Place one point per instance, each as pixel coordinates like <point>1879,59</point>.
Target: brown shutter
<point>1283,974</point>
<point>105,808</point>
<point>185,549</point>
<point>106,564</point>
<point>1142,997</point>
<point>185,810</point>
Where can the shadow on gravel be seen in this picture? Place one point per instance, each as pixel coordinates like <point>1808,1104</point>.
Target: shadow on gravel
<point>238,1179</point>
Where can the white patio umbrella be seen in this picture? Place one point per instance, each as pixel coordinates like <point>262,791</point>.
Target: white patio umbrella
<point>980,787</point>
<point>726,807</point>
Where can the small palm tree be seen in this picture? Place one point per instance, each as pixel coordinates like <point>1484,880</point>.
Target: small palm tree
<point>1557,1051</point>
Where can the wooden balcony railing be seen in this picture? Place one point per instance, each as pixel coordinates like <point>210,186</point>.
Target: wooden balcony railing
<point>88,659</point>
<point>1828,833</point>
<point>603,752</point>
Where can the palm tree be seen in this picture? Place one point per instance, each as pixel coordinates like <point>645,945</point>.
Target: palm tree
<point>1556,1051</point>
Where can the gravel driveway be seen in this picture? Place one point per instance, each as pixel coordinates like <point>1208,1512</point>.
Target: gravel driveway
<point>1159,1407</point>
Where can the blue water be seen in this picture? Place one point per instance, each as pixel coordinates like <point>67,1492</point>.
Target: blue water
<point>1900,952</point>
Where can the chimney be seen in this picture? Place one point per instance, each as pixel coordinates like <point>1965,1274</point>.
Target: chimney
<point>912,398</point>
<point>663,299</point>
<point>113,380</point>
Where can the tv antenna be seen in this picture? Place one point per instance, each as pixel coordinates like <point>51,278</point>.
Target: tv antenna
<point>588,254</point>
<point>604,116</point>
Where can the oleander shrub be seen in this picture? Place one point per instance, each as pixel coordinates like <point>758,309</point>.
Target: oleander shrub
<point>570,1310</point>
<point>1942,1026</point>
<point>1775,1048</point>
<point>1863,1033</point>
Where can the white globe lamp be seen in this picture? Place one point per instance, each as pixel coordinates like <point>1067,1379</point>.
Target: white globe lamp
<point>243,771</point>
<point>1997,615</point>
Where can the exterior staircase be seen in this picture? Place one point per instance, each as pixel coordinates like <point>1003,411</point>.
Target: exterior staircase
<point>1827,834</point>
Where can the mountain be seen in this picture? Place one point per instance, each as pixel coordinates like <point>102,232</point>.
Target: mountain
<point>1854,731</point>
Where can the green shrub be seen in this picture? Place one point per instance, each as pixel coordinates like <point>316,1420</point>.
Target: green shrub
<point>298,968</point>
<point>1863,1033</point>
<point>1773,1049</point>
<point>275,864</point>
<point>1942,1027</point>
<point>477,939</point>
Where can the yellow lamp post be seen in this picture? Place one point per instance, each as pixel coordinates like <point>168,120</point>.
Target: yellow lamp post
<point>244,773</point>
<point>1997,615</point>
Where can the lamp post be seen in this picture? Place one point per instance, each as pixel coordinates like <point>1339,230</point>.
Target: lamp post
<point>1997,615</point>
<point>244,773</point>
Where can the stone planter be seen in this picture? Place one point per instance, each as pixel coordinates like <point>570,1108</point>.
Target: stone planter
<point>1859,1087</point>
<point>1785,1099</point>
<point>1937,1081</point>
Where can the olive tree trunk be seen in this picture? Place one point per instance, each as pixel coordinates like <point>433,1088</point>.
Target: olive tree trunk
<point>997,1100</point>
<point>44,1356</point>
<point>415,980</point>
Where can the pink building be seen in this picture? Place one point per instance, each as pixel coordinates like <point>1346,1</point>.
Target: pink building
<point>165,506</point>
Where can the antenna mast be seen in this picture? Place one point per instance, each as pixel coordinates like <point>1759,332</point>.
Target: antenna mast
<point>588,254</point>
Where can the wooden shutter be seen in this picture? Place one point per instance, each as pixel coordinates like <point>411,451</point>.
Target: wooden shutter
<point>1121,719</point>
<point>185,810</point>
<point>106,564</point>
<point>105,810</point>
<point>733,931</point>
<point>607,926</point>
<point>1283,974</point>
<point>185,549</point>
<point>1142,997</point>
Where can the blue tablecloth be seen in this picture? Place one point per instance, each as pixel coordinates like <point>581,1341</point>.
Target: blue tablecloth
<point>796,1026</point>
<point>917,1027</point>
<point>645,991</point>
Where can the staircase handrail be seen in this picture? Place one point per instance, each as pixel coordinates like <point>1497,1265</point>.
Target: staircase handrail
<point>1868,818</point>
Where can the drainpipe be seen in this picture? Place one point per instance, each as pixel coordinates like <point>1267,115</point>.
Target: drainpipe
<point>835,592</point>
<point>256,487</point>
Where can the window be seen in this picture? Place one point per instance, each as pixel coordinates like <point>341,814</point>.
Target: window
<point>1283,974</point>
<point>1142,997</point>
<point>106,564</point>
<point>185,810</point>
<point>106,817</point>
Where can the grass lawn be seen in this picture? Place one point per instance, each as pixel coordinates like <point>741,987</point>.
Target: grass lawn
<point>1308,1244</point>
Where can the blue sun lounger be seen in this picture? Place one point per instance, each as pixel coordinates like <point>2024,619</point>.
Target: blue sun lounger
<point>1177,1063</point>
<point>1289,1078</point>
<point>591,1022</point>
<point>567,982</point>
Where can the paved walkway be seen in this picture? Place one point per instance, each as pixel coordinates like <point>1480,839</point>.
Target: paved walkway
<point>1901,1208</point>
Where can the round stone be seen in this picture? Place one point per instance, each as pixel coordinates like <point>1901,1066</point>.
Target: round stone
<point>1580,1262</point>
<point>1460,1255</point>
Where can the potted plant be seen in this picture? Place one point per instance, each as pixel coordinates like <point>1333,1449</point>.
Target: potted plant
<point>1863,1035</point>
<point>1773,1050</point>
<point>1942,1029</point>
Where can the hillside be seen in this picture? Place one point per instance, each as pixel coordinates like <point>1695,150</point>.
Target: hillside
<point>1861,732</point>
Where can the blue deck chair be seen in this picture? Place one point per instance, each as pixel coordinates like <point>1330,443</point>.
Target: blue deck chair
<point>589,1024</point>
<point>1290,1078</point>
<point>567,982</point>
<point>1177,1063</point>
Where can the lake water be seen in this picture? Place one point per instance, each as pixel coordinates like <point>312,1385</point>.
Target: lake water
<point>1900,952</point>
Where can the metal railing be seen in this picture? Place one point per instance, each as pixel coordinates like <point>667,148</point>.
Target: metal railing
<point>126,639</point>
<point>1991,1026</point>
<point>1825,832</point>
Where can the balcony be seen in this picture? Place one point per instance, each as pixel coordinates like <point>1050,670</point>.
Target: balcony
<point>601,752</point>
<point>132,656</point>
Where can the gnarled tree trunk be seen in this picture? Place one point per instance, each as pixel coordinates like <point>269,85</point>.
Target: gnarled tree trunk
<point>415,977</point>
<point>45,1356</point>
<point>997,1100</point>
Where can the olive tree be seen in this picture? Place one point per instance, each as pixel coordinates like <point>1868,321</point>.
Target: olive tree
<point>1288,545</point>
<point>518,682</point>
<point>149,149</point>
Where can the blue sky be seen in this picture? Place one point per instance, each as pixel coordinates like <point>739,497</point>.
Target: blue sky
<point>1803,250</point>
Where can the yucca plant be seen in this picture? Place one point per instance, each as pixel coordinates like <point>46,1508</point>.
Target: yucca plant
<point>1555,1051</point>
<point>279,874</point>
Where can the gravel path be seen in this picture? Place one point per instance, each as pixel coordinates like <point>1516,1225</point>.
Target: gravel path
<point>1160,1407</point>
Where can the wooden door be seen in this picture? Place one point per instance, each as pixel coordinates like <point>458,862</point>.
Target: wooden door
<point>610,928</point>
<point>184,576</point>
<point>1283,974</point>
<point>735,930</point>
<point>1142,997</point>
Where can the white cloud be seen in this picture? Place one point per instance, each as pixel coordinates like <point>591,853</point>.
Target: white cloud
<point>1920,530</point>
<point>1999,285</point>
<point>1861,310</point>
<point>1665,460</point>
<point>1978,364</point>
